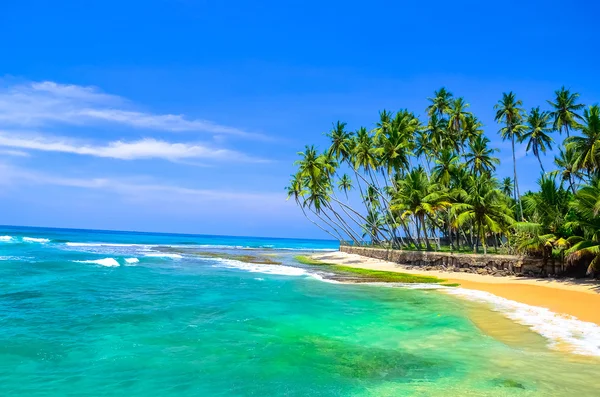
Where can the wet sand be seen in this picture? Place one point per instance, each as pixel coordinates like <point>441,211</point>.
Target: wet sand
<point>579,298</point>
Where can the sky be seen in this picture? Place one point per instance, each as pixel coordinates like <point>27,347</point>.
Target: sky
<point>187,115</point>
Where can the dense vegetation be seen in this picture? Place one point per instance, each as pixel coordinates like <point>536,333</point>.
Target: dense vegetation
<point>431,184</point>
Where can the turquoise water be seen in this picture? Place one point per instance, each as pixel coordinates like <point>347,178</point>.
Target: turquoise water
<point>91,313</point>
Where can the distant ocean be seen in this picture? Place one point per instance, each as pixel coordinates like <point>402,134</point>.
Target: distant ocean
<point>99,313</point>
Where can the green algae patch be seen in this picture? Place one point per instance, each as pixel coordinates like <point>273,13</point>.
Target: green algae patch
<point>307,260</point>
<point>511,383</point>
<point>390,277</point>
<point>240,257</point>
<point>450,284</point>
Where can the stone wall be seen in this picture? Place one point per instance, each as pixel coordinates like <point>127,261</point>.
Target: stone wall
<point>498,265</point>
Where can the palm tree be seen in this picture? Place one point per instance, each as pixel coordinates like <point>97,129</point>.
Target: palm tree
<point>440,103</point>
<point>472,129</point>
<point>507,186</point>
<point>483,206</point>
<point>565,110</point>
<point>445,166</point>
<point>416,197</point>
<point>480,157</point>
<point>586,205</point>
<point>567,169</point>
<point>508,111</point>
<point>458,118</point>
<point>297,191</point>
<point>536,134</point>
<point>345,184</point>
<point>587,146</point>
<point>340,142</point>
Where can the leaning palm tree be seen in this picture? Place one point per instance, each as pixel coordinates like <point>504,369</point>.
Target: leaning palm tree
<point>537,134</point>
<point>296,190</point>
<point>345,184</point>
<point>565,108</point>
<point>509,112</point>
<point>587,146</point>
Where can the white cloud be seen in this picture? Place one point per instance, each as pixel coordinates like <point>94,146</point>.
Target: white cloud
<point>39,104</point>
<point>141,189</point>
<point>141,149</point>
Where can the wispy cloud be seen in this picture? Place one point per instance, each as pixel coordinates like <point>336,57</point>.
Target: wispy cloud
<point>41,103</point>
<point>140,188</point>
<point>140,149</point>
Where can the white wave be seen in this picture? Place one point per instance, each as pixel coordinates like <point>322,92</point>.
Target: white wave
<point>164,255</point>
<point>105,245</point>
<point>132,260</point>
<point>264,247</point>
<point>109,262</point>
<point>259,267</point>
<point>36,240</point>
<point>6,238</point>
<point>581,336</point>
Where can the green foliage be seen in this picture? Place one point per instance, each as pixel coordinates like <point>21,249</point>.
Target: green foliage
<point>431,183</point>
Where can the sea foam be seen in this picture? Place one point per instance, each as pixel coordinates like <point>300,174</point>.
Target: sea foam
<point>35,240</point>
<point>70,244</point>
<point>109,262</point>
<point>582,337</point>
<point>164,255</point>
<point>131,260</point>
<point>6,238</point>
<point>259,267</point>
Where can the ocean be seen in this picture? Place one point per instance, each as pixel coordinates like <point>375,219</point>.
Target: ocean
<point>99,313</point>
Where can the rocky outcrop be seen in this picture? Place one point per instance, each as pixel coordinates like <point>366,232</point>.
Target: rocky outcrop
<point>497,265</point>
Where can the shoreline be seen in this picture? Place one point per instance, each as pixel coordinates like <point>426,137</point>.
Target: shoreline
<point>577,298</point>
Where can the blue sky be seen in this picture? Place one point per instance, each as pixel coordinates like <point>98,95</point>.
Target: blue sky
<point>186,116</point>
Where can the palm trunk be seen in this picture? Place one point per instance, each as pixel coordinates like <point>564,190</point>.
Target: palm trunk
<point>315,223</point>
<point>541,165</point>
<point>517,192</point>
<point>427,244</point>
<point>341,238</point>
<point>342,225</point>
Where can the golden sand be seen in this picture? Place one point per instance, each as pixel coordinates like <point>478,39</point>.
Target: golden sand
<point>579,298</point>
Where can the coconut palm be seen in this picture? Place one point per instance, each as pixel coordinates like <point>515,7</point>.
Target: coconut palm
<point>480,157</point>
<point>565,108</point>
<point>473,129</point>
<point>345,184</point>
<point>340,142</point>
<point>416,197</point>
<point>567,169</point>
<point>440,103</point>
<point>587,146</point>
<point>509,112</point>
<point>445,166</point>
<point>457,120</point>
<point>537,134</point>
<point>483,206</point>
<point>507,186</point>
<point>586,206</point>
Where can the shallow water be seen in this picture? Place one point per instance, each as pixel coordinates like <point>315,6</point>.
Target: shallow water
<point>80,316</point>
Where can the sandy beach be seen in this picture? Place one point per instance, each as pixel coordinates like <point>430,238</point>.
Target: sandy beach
<point>579,298</point>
